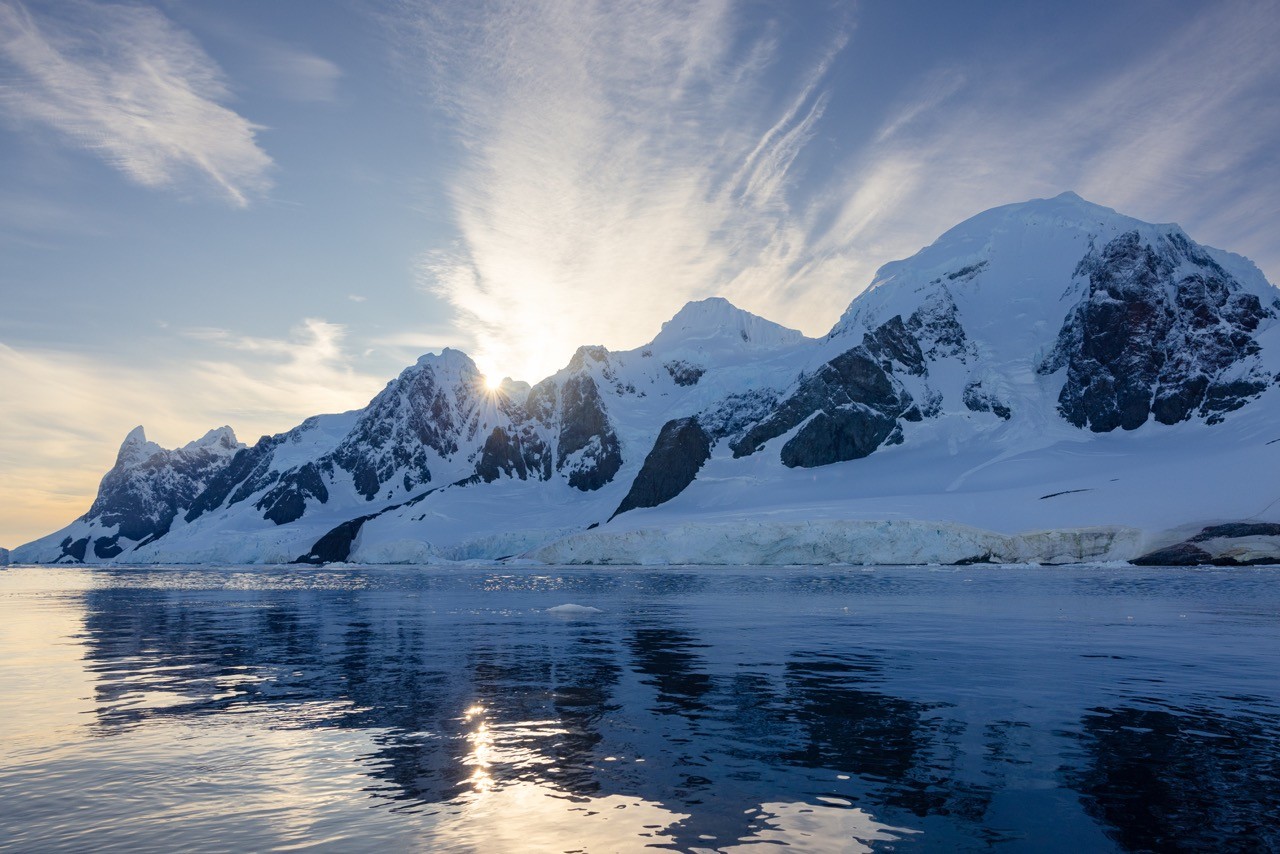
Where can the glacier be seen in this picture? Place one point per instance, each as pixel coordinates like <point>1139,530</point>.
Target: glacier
<point>1048,382</point>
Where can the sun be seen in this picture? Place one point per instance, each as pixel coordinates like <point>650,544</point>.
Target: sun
<point>492,383</point>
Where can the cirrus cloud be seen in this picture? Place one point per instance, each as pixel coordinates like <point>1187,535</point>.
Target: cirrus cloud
<point>126,83</point>
<point>619,159</point>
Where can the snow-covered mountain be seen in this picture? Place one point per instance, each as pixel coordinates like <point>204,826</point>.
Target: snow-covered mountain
<point>1049,367</point>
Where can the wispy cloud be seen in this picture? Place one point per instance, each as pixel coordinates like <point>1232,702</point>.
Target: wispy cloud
<point>67,413</point>
<point>125,82</point>
<point>620,159</point>
<point>1184,129</point>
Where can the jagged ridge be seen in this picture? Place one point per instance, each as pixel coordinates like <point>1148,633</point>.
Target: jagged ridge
<point>1020,327</point>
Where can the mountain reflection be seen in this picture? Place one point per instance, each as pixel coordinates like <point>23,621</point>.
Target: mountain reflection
<point>459,703</point>
<point>1183,779</point>
<point>705,732</point>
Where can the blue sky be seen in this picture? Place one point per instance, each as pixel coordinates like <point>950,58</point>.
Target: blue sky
<point>244,212</point>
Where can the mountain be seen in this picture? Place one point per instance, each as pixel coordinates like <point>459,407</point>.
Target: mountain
<point>1048,381</point>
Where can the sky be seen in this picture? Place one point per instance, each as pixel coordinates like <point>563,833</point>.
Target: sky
<point>235,212</point>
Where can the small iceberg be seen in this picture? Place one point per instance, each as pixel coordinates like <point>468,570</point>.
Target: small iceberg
<point>573,610</point>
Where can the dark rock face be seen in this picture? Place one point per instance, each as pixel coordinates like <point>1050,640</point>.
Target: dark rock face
<point>585,431</point>
<point>288,500</point>
<point>893,346</point>
<point>1159,329</point>
<point>336,545</point>
<point>735,414</point>
<point>248,469</point>
<point>846,434</point>
<point>75,550</point>
<point>514,454</point>
<point>936,325</point>
<point>851,404</point>
<point>416,412</point>
<point>1192,551</point>
<point>1182,554</point>
<point>1235,530</point>
<point>978,400</point>
<point>681,449</point>
<point>107,547</point>
<point>683,373</point>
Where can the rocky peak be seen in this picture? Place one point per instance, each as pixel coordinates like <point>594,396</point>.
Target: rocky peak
<point>149,486</point>
<point>428,411</point>
<point>135,449</point>
<point>220,440</point>
<point>587,355</point>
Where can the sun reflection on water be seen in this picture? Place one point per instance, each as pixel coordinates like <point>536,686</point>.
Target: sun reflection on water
<point>480,737</point>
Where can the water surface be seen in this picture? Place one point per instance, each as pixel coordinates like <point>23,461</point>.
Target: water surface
<point>1013,709</point>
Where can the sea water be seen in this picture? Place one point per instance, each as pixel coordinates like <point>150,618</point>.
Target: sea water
<point>468,709</point>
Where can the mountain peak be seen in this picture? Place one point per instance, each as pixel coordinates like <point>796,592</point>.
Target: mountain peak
<point>449,367</point>
<point>220,440</point>
<point>716,323</point>
<point>135,449</point>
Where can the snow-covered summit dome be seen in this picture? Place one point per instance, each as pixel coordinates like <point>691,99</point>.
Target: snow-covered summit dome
<point>716,323</point>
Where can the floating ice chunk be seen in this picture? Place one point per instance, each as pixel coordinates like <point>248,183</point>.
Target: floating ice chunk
<point>571,610</point>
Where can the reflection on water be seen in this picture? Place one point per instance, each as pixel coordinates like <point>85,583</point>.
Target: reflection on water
<point>1178,778</point>
<point>698,710</point>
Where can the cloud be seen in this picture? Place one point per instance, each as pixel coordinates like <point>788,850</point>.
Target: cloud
<point>620,159</point>
<point>127,84</point>
<point>1183,129</point>
<point>67,413</point>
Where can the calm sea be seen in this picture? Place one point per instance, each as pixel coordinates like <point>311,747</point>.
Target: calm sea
<point>894,709</point>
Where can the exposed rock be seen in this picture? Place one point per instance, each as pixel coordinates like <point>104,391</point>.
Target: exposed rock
<point>681,449</point>
<point>75,549</point>
<point>1182,554</point>
<point>848,433</point>
<point>288,501</point>
<point>149,485</point>
<point>848,407</point>
<point>1231,544</point>
<point>733,415</point>
<point>892,345</point>
<point>425,409</point>
<point>1162,331</point>
<point>978,400</point>
<point>586,354</point>
<point>1234,530</point>
<point>107,547</point>
<point>336,545</point>
<point>248,469</point>
<point>512,454</point>
<point>588,447</point>
<point>936,326</point>
<point>683,373</point>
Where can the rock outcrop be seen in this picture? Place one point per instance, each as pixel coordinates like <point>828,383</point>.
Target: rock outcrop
<point>679,452</point>
<point>1162,332</point>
